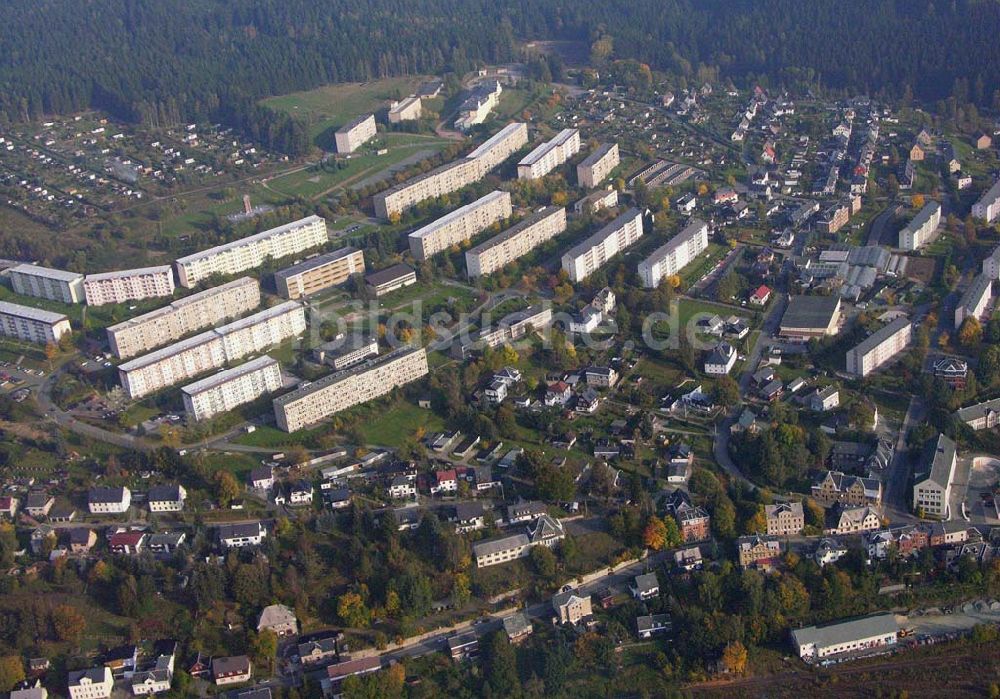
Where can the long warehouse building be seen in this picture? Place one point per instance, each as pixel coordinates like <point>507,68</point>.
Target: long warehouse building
<point>598,165</point>
<point>584,259</point>
<point>231,388</point>
<point>32,324</point>
<point>331,394</point>
<point>880,347</point>
<point>212,349</point>
<point>144,333</point>
<point>461,224</point>
<point>672,257</point>
<point>516,241</point>
<point>547,156</point>
<point>319,273</point>
<point>47,283</point>
<point>128,285</point>
<point>250,252</point>
<point>453,176</point>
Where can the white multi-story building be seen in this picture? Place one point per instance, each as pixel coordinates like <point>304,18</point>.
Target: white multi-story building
<point>672,257</point>
<point>933,480</point>
<point>991,265</point>
<point>94,683</point>
<point>478,105</point>
<point>595,201</point>
<point>584,259</point>
<point>988,206</point>
<point>331,394</point>
<point>865,634</point>
<point>408,109</point>
<point>231,388</point>
<point>32,324</point>
<point>109,501</point>
<point>975,299</point>
<point>128,285</point>
<point>236,536</point>
<point>453,176</point>
<point>211,349</point>
<point>516,241</point>
<point>598,165</point>
<point>918,231</point>
<point>183,317</point>
<point>250,252</point>
<point>166,498</point>
<point>319,273</point>
<point>879,347</point>
<point>459,225</point>
<point>547,156</point>
<point>355,134</point>
<point>47,283</point>
<point>981,416</point>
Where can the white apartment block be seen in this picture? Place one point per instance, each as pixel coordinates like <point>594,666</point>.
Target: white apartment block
<point>109,501</point>
<point>459,225</point>
<point>879,347</point>
<point>478,105</point>
<point>231,388</point>
<point>355,134</point>
<point>319,273</point>
<point>587,257</point>
<point>918,231</point>
<point>47,283</point>
<point>988,206</point>
<point>311,404</point>
<point>95,683</point>
<point>32,324</point>
<point>516,241</point>
<point>598,165</point>
<point>549,155</point>
<point>408,109</point>
<point>676,254</point>
<point>975,299</point>
<point>453,176</point>
<point>183,317</point>
<point>991,265</point>
<point>250,252</point>
<point>933,480</point>
<point>128,285</point>
<point>211,349</point>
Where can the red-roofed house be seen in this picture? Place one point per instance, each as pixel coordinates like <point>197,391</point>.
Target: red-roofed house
<point>444,482</point>
<point>760,295</point>
<point>127,543</point>
<point>558,393</point>
<point>8,506</point>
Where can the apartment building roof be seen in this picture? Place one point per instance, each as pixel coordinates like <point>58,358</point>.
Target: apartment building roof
<point>603,233</point>
<point>258,317</point>
<point>881,335</point>
<point>543,149</point>
<point>169,351</point>
<point>515,230</point>
<point>354,123</point>
<point>47,272</point>
<point>601,151</point>
<point>123,273</point>
<point>30,313</point>
<point>493,140</point>
<point>689,231</point>
<point>923,217</point>
<point>240,242</point>
<point>182,303</point>
<point>315,262</point>
<point>226,375</point>
<point>389,274</point>
<point>937,463</point>
<point>458,213</point>
<point>330,379</point>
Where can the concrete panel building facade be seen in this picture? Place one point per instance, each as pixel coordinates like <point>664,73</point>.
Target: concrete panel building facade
<point>677,253</point>
<point>988,206</point>
<point>250,252</point>
<point>919,230</point>
<point>408,109</point>
<point>231,388</point>
<point>516,241</point>
<point>585,258</point>
<point>128,285</point>
<point>598,165</point>
<point>47,283</point>
<point>319,273</point>
<point>461,224</point>
<point>975,300</point>
<point>355,134</point>
<point>880,347</point>
<point>549,155</point>
<point>32,324</point>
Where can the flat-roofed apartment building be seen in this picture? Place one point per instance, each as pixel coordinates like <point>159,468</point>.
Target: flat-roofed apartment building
<point>128,285</point>
<point>183,317</point>
<point>47,283</point>
<point>211,349</point>
<point>478,105</point>
<point>975,299</point>
<point>231,388</point>
<point>677,253</point>
<point>547,156</point>
<point>355,133</point>
<point>598,165</point>
<point>331,394</point>
<point>932,480</point>
<point>32,324</point>
<point>988,206</point>
<point>516,241</point>
<point>880,347</point>
<point>408,109</point>
<point>917,232</point>
<point>584,259</point>
<point>250,252</point>
<point>455,175</point>
<point>319,273</point>
<point>461,224</point>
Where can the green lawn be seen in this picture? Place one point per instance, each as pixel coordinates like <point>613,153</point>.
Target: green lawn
<point>399,423</point>
<point>273,438</point>
<point>697,269</point>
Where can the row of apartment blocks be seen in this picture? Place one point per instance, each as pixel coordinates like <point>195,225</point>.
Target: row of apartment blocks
<point>251,252</point>
<point>355,134</point>
<point>587,257</point>
<point>320,272</point>
<point>455,175</point>
<point>598,165</point>
<point>319,400</point>
<point>988,206</point>
<point>231,388</point>
<point>918,231</point>
<point>32,324</point>
<point>162,326</point>
<point>678,252</point>
<point>211,349</point>
<point>880,347</point>
<point>516,241</point>
<point>547,156</point>
<point>460,225</point>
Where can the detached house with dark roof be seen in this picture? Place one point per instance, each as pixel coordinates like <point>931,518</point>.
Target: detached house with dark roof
<point>111,501</point>
<point>166,498</point>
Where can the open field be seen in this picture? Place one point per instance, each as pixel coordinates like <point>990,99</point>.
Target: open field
<point>399,423</point>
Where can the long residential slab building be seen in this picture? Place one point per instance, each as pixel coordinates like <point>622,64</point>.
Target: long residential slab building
<point>516,241</point>
<point>320,272</point>
<point>880,347</point>
<point>975,299</point>
<point>355,133</point>
<point>212,349</point>
<point>184,316</point>
<point>128,285</point>
<point>459,225</point>
<point>455,175</point>
<point>231,388</point>
<point>988,206</point>
<point>675,254</point>
<point>547,156</point>
<point>585,258</point>
<point>47,283</point>
<point>32,324</point>
<point>331,394</point>
<point>598,165</point>
<point>250,252</point>
<point>918,231</point>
